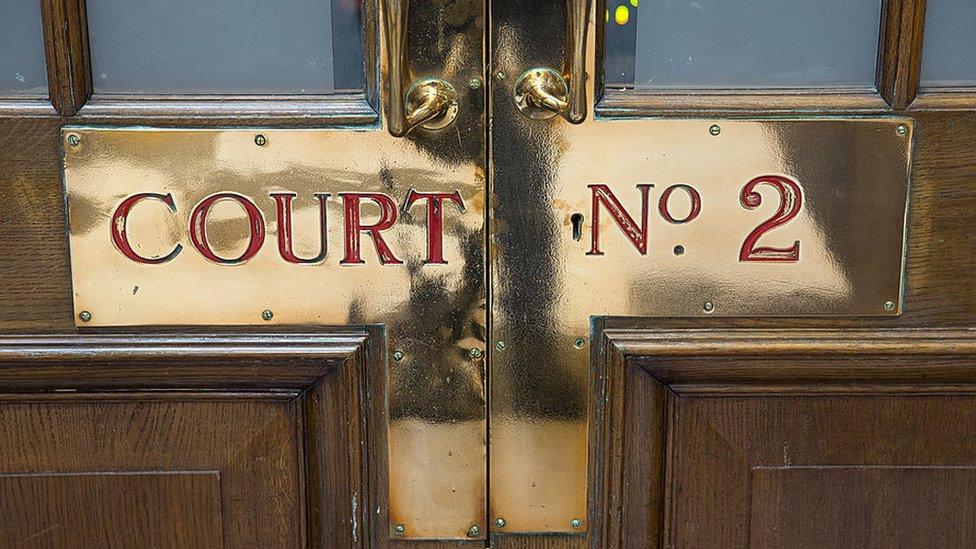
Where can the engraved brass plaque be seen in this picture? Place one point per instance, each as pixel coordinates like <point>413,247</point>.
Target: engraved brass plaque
<point>669,218</point>
<point>322,227</point>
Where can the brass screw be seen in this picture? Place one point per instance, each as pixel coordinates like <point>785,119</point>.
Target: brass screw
<point>474,83</point>
<point>708,307</point>
<point>500,345</point>
<point>500,75</point>
<point>715,129</point>
<point>902,129</point>
<point>260,140</point>
<point>500,522</point>
<point>889,305</point>
<point>73,139</point>
<point>580,343</point>
<point>85,316</point>
<point>398,355</point>
<point>474,531</point>
<point>475,353</point>
<point>399,529</point>
<point>576,523</point>
<point>267,314</point>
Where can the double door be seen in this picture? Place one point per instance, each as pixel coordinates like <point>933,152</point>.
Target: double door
<point>519,274</point>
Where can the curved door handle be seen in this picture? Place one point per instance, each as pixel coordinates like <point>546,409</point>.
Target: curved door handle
<point>430,103</point>
<point>543,92</point>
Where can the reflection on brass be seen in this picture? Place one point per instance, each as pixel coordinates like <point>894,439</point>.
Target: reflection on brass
<point>396,14</point>
<point>577,24</point>
<point>541,93</point>
<point>431,104</point>
<point>765,218</point>
<point>257,257</point>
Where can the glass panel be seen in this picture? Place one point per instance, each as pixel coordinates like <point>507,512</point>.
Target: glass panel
<point>742,44</point>
<point>949,49</point>
<point>225,46</point>
<point>22,70</point>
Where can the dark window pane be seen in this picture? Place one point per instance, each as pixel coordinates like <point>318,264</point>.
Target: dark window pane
<point>949,49</point>
<point>742,44</point>
<point>225,46</point>
<point>22,70</point>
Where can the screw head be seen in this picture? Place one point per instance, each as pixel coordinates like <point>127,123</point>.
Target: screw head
<point>474,531</point>
<point>267,314</point>
<point>500,345</point>
<point>576,523</point>
<point>399,529</point>
<point>579,343</point>
<point>260,140</point>
<point>889,305</point>
<point>85,316</point>
<point>74,139</point>
<point>474,83</point>
<point>708,307</point>
<point>475,353</point>
<point>500,522</point>
<point>902,129</point>
<point>715,129</point>
<point>500,75</point>
<point>398,355</point>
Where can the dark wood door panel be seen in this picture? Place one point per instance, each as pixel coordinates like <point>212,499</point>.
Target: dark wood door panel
<point>785,438</point>
<point>862,506</point>
<point>146,509</point>
<point>105,453</point>
<point>208,440</point>
<point>822,471</point>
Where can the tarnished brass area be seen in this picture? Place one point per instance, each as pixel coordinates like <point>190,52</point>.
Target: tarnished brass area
<point>541,93</point>
<point>711,185</point>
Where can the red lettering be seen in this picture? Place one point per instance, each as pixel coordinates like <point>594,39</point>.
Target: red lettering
<point>435,221</point>
<point>637,235</point>
<point>662,205</point>
<point>285,241</point>
<point>354,228</point>
<point>198,228</point>
<point>119,228</point>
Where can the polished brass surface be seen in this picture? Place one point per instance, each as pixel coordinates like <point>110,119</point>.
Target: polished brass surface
<point>546,288</point>
<point>541,93</point>
<point>434,314</point>
<point>431,104</point>
<point>395,17</point>
<point>577,25</point>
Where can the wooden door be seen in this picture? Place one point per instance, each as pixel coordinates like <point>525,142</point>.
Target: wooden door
<point>699,423</point>
<point>208,416</point>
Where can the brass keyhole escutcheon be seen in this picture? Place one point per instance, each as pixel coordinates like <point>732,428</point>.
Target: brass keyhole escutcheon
<point>541,93</point>
<point>431,103</point>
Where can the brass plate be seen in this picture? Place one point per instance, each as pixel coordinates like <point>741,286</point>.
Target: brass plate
<point>430,293</point>
<point>763,218</point>
<point>836,191</point>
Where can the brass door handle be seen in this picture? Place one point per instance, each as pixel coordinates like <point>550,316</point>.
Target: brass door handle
<point>543,92</point>
<point>430,103</point>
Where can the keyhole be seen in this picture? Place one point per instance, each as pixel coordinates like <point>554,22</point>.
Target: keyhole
<point>577,220</point>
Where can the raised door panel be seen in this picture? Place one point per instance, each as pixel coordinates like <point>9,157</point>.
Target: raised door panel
<point>120,464</point>
<point>208,440</point>
<point>823,471</point>
<point>786,438</point>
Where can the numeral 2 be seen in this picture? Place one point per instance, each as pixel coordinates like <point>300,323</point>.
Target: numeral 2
<point>790,201</point>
